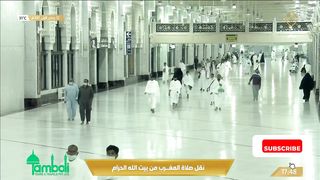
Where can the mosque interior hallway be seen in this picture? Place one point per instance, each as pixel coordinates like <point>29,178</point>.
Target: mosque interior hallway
<point>191,131</point>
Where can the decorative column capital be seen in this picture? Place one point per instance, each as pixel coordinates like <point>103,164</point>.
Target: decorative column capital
<point>48,46</point>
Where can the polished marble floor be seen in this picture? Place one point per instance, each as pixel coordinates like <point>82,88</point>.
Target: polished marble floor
<point>192,131</point>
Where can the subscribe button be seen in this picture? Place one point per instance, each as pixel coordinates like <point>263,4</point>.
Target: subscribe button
<point>279,145</point>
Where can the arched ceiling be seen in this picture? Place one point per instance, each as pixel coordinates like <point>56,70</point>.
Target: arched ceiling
<point>247,10</point>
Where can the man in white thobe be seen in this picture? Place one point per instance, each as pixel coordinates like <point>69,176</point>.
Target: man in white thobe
<point>78,167</point>
<point>227,67</point>
<point>273,55</point>
<point>247,66</point>
<point>260,56</point>
<point>188,83</point>
<point>221,68</point>
<point>286,54</point>
<point>165,73</point>
<point>307,66</point>
<point>202,79</point>
<point>71,92</point>
<point>234,59</point>
<point>210,88</point>
<point>255,60</point>
<point>153,92</point>
<point>174,92</point>
<point>218,91</point>
<point>183,67</point>
<point>208,72</point>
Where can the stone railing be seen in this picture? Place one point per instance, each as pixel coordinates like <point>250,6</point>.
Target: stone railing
<point>293,26</point>
<point>172,27</point>
<point>260,27</point>
<point>204,27</point>
<point>231,27</point>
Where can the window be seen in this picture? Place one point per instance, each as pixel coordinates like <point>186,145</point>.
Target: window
<point>56,69</point>
<point>57,61</point>
<point>43,70</point>
<point>70,57</point>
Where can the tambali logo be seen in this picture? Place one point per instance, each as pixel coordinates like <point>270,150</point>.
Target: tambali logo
<point>48,170</point>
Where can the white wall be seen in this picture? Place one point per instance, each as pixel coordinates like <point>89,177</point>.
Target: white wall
<point>12,57</point>
<point>213,38</point>
<point>30,59</point>
<point>120,39</point>
<point>145,55</point>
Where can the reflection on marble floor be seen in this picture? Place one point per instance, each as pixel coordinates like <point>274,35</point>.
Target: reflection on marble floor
<point>192,131</point>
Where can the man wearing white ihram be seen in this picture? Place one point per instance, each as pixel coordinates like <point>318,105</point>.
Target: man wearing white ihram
<point>273,55</point>
<point>78,167</point>
<point>174,92</point>
<point>218,92</point>
<point>153,91</point>
<point>188,83</point>
<point>202,79</point>
<point>165,73</point>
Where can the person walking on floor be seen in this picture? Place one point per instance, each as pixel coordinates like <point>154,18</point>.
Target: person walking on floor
<point>196,62</point>
<point>165,73</point>
<point>183,67</point>
<point>202,78</point>
<point>174,92</point>
<point>247,66</point>
<point>307,84</point>
<point>273,55</point>
<point>256,84</point>
<point>188,83</point>
<point>71,92</point>
<point>210,89</point>
<point>218,92</point>
<point>85,98</point>
<point>153,91</point>
<point>207,66</point>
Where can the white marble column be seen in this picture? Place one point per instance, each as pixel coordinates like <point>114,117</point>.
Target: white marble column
<point>103,55</point>
<point>158,58</point>
<point>111,65</point>
<point>137,61</point>
<point>31,55</point>
<point>208,51</point>
<point>84,40</point>
<point>216,50</point>
<point>48,70</point>
<point>103,65</point>
<point>76,74</point>
<point>200,52</point>
<point>65,67</point>
<point>93,66</point>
